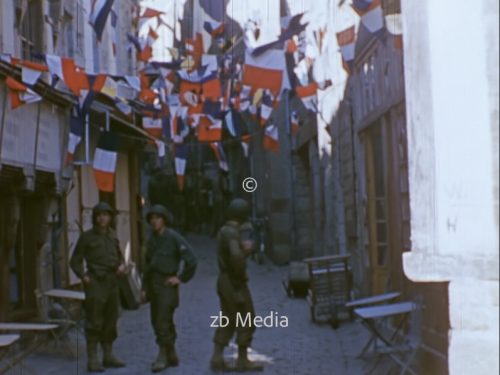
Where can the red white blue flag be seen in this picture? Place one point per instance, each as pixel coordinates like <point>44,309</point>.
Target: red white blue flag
<point>105,157</point>
<point>76,126</point>
<point>99,14</point>
<point>370,11</point>
<point>266,71</point>
<point>271,138</point>
<point>214,28</point>
<point>20,94</point>
<point>347,41</point>
<point>220,155</point>
<point>181,152</point>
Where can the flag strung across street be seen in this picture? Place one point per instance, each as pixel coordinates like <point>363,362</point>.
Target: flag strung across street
<point>204,93</point>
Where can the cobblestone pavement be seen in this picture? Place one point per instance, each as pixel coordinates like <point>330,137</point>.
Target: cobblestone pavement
<point>303,348</point>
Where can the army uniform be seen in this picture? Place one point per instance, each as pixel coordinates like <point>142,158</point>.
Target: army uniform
<point>232,286</point>
<point>164,254</point>
<point>234,295</point>
<point>102,255</point>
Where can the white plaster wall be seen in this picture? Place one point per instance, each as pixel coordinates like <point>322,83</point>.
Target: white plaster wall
<point>450,148</point>
<point>451,77</point>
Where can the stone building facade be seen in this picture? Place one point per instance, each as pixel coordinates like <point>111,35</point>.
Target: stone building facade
<point>45,204</point>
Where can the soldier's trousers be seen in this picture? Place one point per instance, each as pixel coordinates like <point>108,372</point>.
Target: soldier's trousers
<point>163,299</point>
<point>233,302</point>
<point>101,306</point>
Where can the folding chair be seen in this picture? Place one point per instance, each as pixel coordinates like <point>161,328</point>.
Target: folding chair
<point>404,351</point>
<point>6,343</point>
<point>65,323</point>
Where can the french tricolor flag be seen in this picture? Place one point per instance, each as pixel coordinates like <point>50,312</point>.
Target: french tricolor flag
<point>31,71</point>
<point>20,94</point>
<point>105,157</point>
<point>220,155</point>
<point>394,26</point>
<point>271,139</point>
<point>76,125</point>
<point>209,129</point>
<point>214,28</point>
<point>308,96</point>
<point>114,24</point>
<point>160,146</point>
<point>370,11</point>
<point>245,144</point>
<point>347,42</point>
<point>266,71</point>
<point>99,14</point>
<point>266,107</point>
<point>181,152</point>
<point>96,83</point>
<point>73,77</point>
<point>153,126</point>
<point>150,13</point>
<point>294,123</point>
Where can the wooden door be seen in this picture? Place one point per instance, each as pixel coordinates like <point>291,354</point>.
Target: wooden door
<point>377,208</point>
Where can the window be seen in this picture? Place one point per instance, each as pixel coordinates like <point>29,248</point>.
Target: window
<point>79,28</point>
<point>54,19</point>
<point>69,35</point>
<point>29,22</point>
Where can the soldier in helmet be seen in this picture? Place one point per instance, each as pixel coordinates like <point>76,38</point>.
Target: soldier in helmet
<point>166,249</point>
<point>232,289</point>
<point>100,249</point>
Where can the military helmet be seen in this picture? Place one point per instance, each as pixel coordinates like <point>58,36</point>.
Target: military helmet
<point>238,210</point>
<point>162,211</point>
<point>99,208</point>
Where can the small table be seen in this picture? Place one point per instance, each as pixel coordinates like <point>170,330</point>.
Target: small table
<point>65,294</point>
<point>371,316</point>
<point>37,329</point>
<point>373,300</point>
<point>6,341</point>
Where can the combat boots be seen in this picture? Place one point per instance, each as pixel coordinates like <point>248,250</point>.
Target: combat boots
<point>172,358</point>
<point>93,364</point>
<point>161,361</point>
<point>109,359</point>
<point>243,363</point>
<point>217,362</point>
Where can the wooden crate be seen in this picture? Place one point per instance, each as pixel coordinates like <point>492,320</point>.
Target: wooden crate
<point>330,286</point>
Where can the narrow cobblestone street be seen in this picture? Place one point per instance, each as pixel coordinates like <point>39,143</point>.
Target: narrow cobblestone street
<point>302,348</point>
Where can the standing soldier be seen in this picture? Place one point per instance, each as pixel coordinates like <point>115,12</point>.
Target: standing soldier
<point>232,289</point>
<point>104,263</point>
<point>163,274</point>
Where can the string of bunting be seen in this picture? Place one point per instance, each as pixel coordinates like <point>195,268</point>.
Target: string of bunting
<point>200,92</point>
